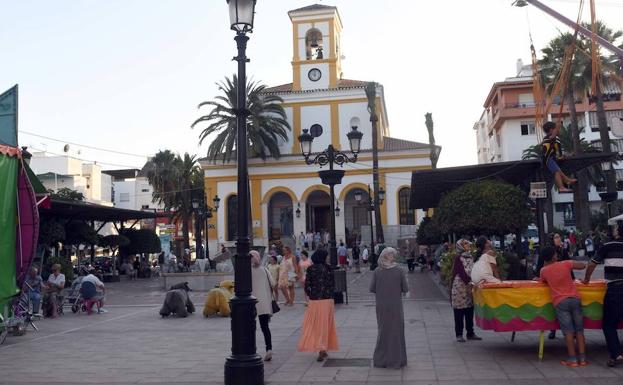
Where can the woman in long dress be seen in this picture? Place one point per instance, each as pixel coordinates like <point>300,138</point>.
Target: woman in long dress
<point>388,284</point>
<point>262,286</point>
<point>318,333</point>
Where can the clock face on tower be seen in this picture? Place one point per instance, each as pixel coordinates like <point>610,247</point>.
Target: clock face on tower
<point>314,74</point>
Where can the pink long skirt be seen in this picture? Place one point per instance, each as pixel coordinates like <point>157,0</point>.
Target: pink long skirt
<point>318,331</point>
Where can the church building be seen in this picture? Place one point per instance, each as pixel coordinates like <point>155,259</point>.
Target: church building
<point>287,196</point>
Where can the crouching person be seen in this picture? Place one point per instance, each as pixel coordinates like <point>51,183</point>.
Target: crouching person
<point>566,300</point>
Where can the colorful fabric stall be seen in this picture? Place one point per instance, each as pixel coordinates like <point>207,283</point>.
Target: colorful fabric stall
<point>9,165</point>
<point>514,306</point>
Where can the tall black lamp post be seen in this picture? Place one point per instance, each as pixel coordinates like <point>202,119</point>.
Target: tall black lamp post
<point>244,366</point>
<point>369,205</point>
<point>331,156</point>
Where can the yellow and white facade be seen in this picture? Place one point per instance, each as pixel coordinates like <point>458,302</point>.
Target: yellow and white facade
<point>287,197</point>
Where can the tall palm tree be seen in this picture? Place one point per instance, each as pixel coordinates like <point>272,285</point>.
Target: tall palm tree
<point>555,54</point>
<point>174,179</point>
<point>607,67</point>
<point>267,125</point>
<point>374,119</point>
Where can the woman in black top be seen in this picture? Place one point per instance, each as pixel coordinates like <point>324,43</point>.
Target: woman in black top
<point>318,332</point>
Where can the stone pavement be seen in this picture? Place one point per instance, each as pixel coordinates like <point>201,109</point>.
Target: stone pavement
<point>131,344</point>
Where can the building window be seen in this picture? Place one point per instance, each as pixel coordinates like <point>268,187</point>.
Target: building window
<point>528,128</point>
<point>124,197</point>
<point>232,212</point>
<point>144,190</point>
<point>407,216</point>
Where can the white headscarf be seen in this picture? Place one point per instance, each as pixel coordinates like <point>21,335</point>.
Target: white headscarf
<point>387,259</point>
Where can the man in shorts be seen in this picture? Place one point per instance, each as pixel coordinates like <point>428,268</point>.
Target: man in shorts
<point>566,300</point>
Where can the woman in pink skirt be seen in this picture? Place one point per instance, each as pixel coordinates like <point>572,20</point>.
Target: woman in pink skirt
<point>318,332</point>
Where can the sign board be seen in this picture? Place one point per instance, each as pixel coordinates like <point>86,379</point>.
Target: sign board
<point>538,190</point>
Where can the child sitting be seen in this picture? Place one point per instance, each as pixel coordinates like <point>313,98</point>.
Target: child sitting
<point>551,154</point>
<point>566,300</point>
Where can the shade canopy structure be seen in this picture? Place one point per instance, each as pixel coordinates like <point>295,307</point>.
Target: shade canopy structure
<point>85,211</point>
<point>614,220</point>
<point>429,186</point>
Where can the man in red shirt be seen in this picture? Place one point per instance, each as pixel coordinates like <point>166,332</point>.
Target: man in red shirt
<point>566,300</point>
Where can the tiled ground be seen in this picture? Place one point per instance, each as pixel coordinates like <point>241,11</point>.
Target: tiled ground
<point>131,344</point>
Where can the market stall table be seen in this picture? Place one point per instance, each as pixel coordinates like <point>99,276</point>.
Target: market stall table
<point>514,306</point>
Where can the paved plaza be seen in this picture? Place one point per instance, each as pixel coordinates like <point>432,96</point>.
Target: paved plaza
<point>131,344</point>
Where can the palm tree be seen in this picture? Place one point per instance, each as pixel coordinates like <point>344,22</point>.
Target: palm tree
<point>608,67</point>
<point>593,174</point>
<point>374,119</point>
<point>555,55</point>
<point>174,179</point>
<point>267,125</point>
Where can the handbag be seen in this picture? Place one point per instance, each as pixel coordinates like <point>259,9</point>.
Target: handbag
<point>273,303</point>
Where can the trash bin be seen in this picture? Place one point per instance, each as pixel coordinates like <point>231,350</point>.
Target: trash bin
<point>340,287</point>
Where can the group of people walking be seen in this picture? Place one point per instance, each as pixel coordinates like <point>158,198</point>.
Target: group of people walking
<point>318,331</point>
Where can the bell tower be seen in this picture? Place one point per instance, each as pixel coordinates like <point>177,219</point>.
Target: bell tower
<point>316,61</point>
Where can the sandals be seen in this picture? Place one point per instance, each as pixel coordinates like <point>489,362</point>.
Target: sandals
<point>571,364</point>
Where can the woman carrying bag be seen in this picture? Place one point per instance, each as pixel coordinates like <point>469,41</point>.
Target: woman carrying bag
<point>263,284</point>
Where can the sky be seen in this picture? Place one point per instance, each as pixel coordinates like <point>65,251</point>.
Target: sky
<point>127,75</point>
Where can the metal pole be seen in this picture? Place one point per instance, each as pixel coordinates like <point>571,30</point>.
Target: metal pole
<point>198,244</point>
<point>244,366</point>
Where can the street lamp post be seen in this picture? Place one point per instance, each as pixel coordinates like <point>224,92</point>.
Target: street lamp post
<point>203,212</point>
<point>369,205</point>
<point>244,366</point>
<point>331,156</point>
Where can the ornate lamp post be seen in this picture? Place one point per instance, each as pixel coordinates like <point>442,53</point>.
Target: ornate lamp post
<point>203,213</point>
<point>331,177</point>
<point>244,366</point>
<point>369,205</point>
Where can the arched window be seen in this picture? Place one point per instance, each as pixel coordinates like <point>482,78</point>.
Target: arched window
<point>313,44</point>
<point>407,216</point>
<point>231,215</point>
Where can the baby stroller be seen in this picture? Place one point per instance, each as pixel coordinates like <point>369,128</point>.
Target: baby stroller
<point>73,297</point>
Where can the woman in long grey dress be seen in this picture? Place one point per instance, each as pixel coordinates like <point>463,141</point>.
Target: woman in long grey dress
<point>389,283</point>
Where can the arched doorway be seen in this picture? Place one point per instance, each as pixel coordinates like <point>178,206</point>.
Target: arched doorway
<point>280,216</point>
<point>317,210</point>
<point>355,215</point>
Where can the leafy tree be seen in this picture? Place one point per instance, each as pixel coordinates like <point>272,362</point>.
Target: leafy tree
<point>267,124</point>
<point>175,180</point>
<point>80,233</point>
<point>485,207</point>
<point>428,232</point>
<point>143,241</point>
<point>51,232</point>
<point>67,194</point>
<point>113,242</point>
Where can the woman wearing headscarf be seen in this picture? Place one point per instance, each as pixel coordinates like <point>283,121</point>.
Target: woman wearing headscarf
<point>388,284</point>
<point>318,332</point>
<point>462,300</point>
<point>262,286</point>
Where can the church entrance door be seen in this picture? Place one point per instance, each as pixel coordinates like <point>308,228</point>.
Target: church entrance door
<point>317,210</point>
